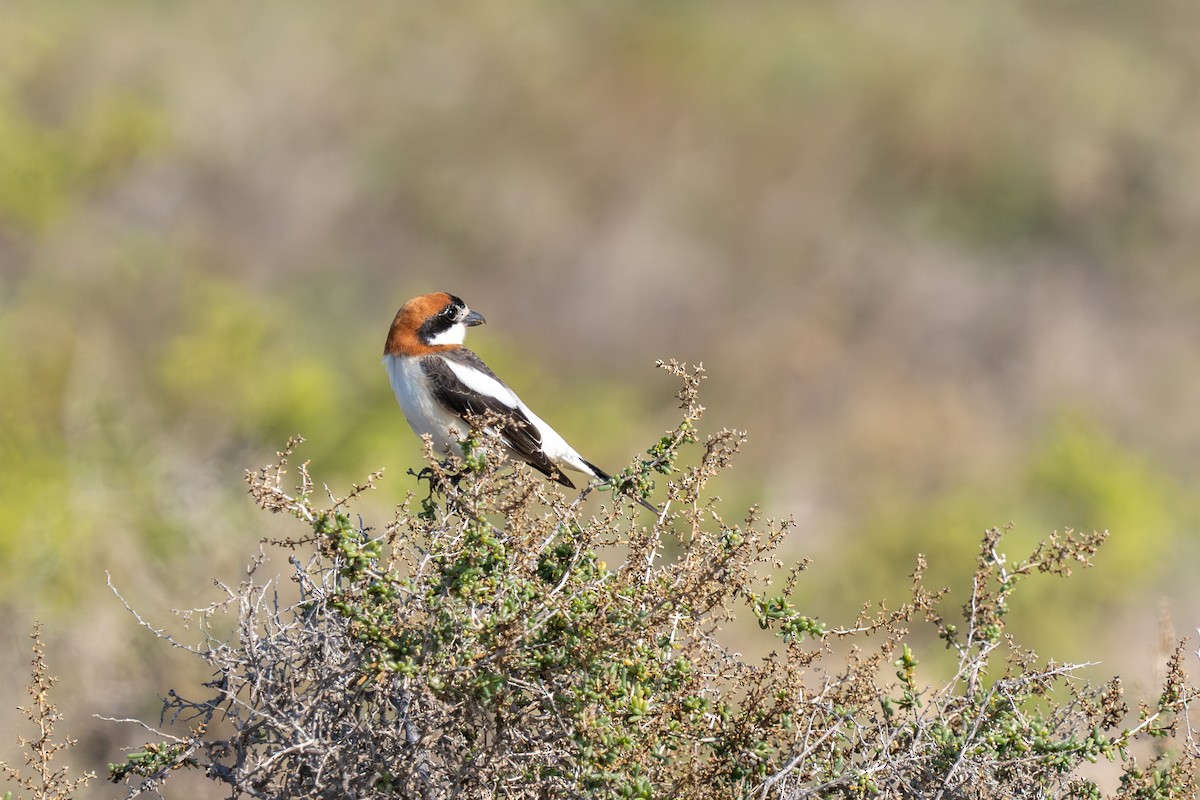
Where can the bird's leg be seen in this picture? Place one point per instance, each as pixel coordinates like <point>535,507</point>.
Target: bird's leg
<point>437,478</point>
<point>426,474</point>
<point>447,486</point>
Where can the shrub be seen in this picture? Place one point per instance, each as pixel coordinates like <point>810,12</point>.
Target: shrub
<point>480,644</point>
<point>42,777</point>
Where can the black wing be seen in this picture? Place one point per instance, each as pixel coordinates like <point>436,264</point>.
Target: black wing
<point>515,429</point>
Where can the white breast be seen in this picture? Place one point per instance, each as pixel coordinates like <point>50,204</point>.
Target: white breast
<point>424,414</point>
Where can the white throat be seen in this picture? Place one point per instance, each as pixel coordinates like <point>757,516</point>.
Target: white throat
<point>455,334</point>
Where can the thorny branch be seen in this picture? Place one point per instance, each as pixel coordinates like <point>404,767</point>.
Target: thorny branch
<point>480,645</point>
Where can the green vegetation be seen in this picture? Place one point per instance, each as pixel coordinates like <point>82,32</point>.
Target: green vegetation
<point>1077,476</point>
<point>942,256</point>
<point>480,645</point>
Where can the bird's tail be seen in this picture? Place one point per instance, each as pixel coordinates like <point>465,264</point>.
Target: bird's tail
<point>606,478</point>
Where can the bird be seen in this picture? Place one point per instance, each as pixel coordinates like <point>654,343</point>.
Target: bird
<point>440,384</point>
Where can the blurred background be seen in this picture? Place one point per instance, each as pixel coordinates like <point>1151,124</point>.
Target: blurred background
<point>939,259</point>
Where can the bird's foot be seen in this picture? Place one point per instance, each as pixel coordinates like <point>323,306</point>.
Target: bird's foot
<point>437,479</point>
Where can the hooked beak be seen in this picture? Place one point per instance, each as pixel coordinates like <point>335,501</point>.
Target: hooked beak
<point>473,318</point>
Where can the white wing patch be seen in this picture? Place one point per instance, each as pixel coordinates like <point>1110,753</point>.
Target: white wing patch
<point>553,445</point>
<point>484,384</point>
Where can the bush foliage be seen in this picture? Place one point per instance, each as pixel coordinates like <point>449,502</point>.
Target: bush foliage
<point>482,644</point>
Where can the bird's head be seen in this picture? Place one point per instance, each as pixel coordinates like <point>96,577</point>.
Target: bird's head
<point>428,322</point>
